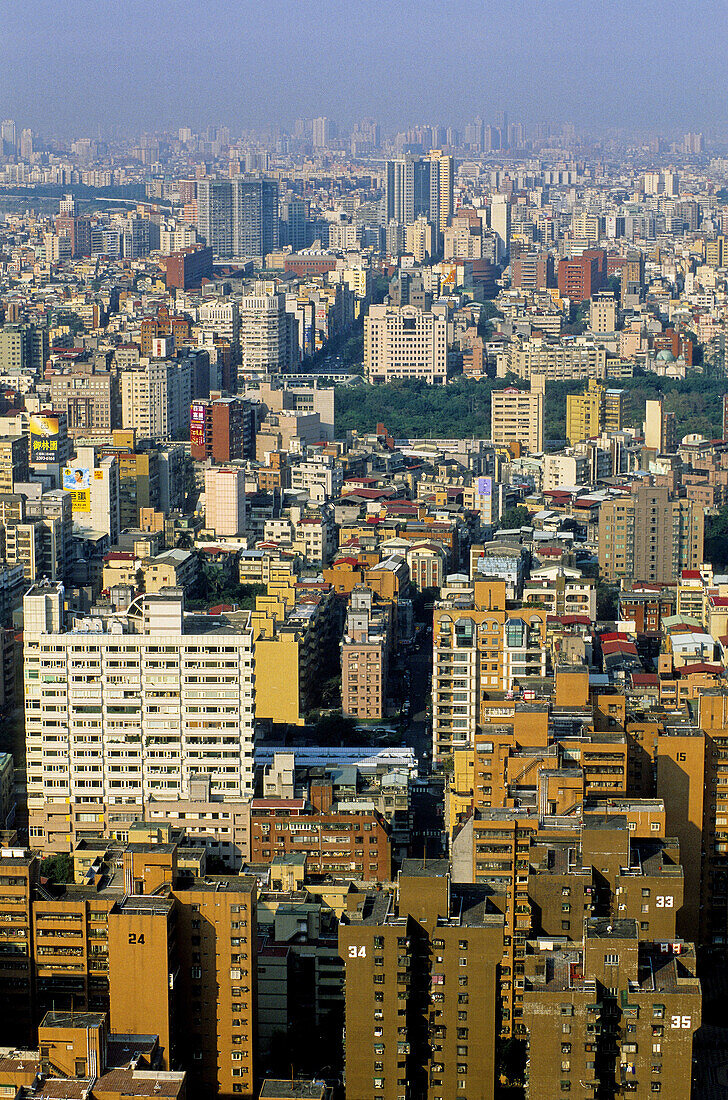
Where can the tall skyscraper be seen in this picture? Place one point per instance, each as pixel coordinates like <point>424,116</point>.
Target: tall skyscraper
<point>238,217</point>
<point>255,217</point>
<point>323,132</point>
<point>407,189</point>
<point>442,179</point>
<point>215,214</point>
<point>8,135</point>
<point>26,144</point>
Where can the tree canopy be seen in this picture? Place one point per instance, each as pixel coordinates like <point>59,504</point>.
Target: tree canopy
<point>412,408</point>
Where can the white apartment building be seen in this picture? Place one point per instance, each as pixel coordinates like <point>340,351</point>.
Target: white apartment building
<point>268,334</point>
<point>321,476</point>
<point>405,342</point>
<point>98,508</point>
<point>155,398</point>
<point>225,500</point>
<point>223,317</point>
<point>557,360</point>
<point>516,416</point>
<point>128,710</point>
<point>175,236</point>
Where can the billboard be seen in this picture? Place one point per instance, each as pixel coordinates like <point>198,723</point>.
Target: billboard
<point>197,425</point>
<point>44,436</point>
<point>485,486</point>
<point>77,481</point>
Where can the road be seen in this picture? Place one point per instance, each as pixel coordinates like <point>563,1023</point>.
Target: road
<point>427,836</point>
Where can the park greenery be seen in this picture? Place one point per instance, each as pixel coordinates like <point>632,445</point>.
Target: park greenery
<point>414,409</point>
<point>715,549</point>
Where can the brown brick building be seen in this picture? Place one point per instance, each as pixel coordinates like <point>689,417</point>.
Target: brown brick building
<point>162,952</point>
<point>334,842</point>
<point>421,1006</point>
<point>188,267</point>
<point>611,1015</point>
<point>222,429</point>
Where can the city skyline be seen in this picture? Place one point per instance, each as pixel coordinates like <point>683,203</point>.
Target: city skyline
<point>448,64</point>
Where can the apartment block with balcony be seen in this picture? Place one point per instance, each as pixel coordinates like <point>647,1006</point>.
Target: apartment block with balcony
<point>128,708</point>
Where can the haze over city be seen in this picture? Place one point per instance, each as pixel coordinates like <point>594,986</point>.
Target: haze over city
<point>363,550</point>
<point>77,67</point>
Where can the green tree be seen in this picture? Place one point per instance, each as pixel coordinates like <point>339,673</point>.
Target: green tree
<point>57,868</point>
<point>715,548</point>
<point>607,601</point>
<point>515,517</point>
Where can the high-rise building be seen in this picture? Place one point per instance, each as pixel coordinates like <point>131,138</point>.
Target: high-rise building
<point>88,397</point>
<point>26,144</point>
<point>442,183</point>
<point>255,217</point>
<point>659,428</point>
<point>516,416</point>
<point>136,707</point>
<point>222,429</point>
<point>93,483</point>
<point>215,215</point>
<point>611,1013</point>
<point>23,349</point>
<point>532,270</point>
<point>156,397</point>
<point>149,943</point>
<point>421,987</point>
<point>500,223</point>
<point>293,223</point>
<point>596,410</point>
<point>603,312</point>
<point>407,190</point>
<point>8,136</point>
<point>268,335</point>
<point>238,217</point>
<point>581,277</point>
<point>13,462</point>
<point>405,342</point>
<point>480,645</point>
<point>323,131</point>
<point>225,500</point>
<point>365,650</point>
<point>649,536</point>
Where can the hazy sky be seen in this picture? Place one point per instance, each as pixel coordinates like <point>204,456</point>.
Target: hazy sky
<point>70,66</point>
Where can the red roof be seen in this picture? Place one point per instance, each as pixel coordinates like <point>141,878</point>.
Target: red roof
<point>645,679</point>
<point>368,494</point>
<point>569,620</point>
<point>701,666</point>
<point>619,647</point>
<point>278,804</point>
<point>690,575</point>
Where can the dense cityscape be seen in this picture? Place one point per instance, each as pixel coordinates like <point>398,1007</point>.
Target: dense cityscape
<point>363,610</point>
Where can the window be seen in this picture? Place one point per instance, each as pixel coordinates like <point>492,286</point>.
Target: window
<point>611,960</point>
